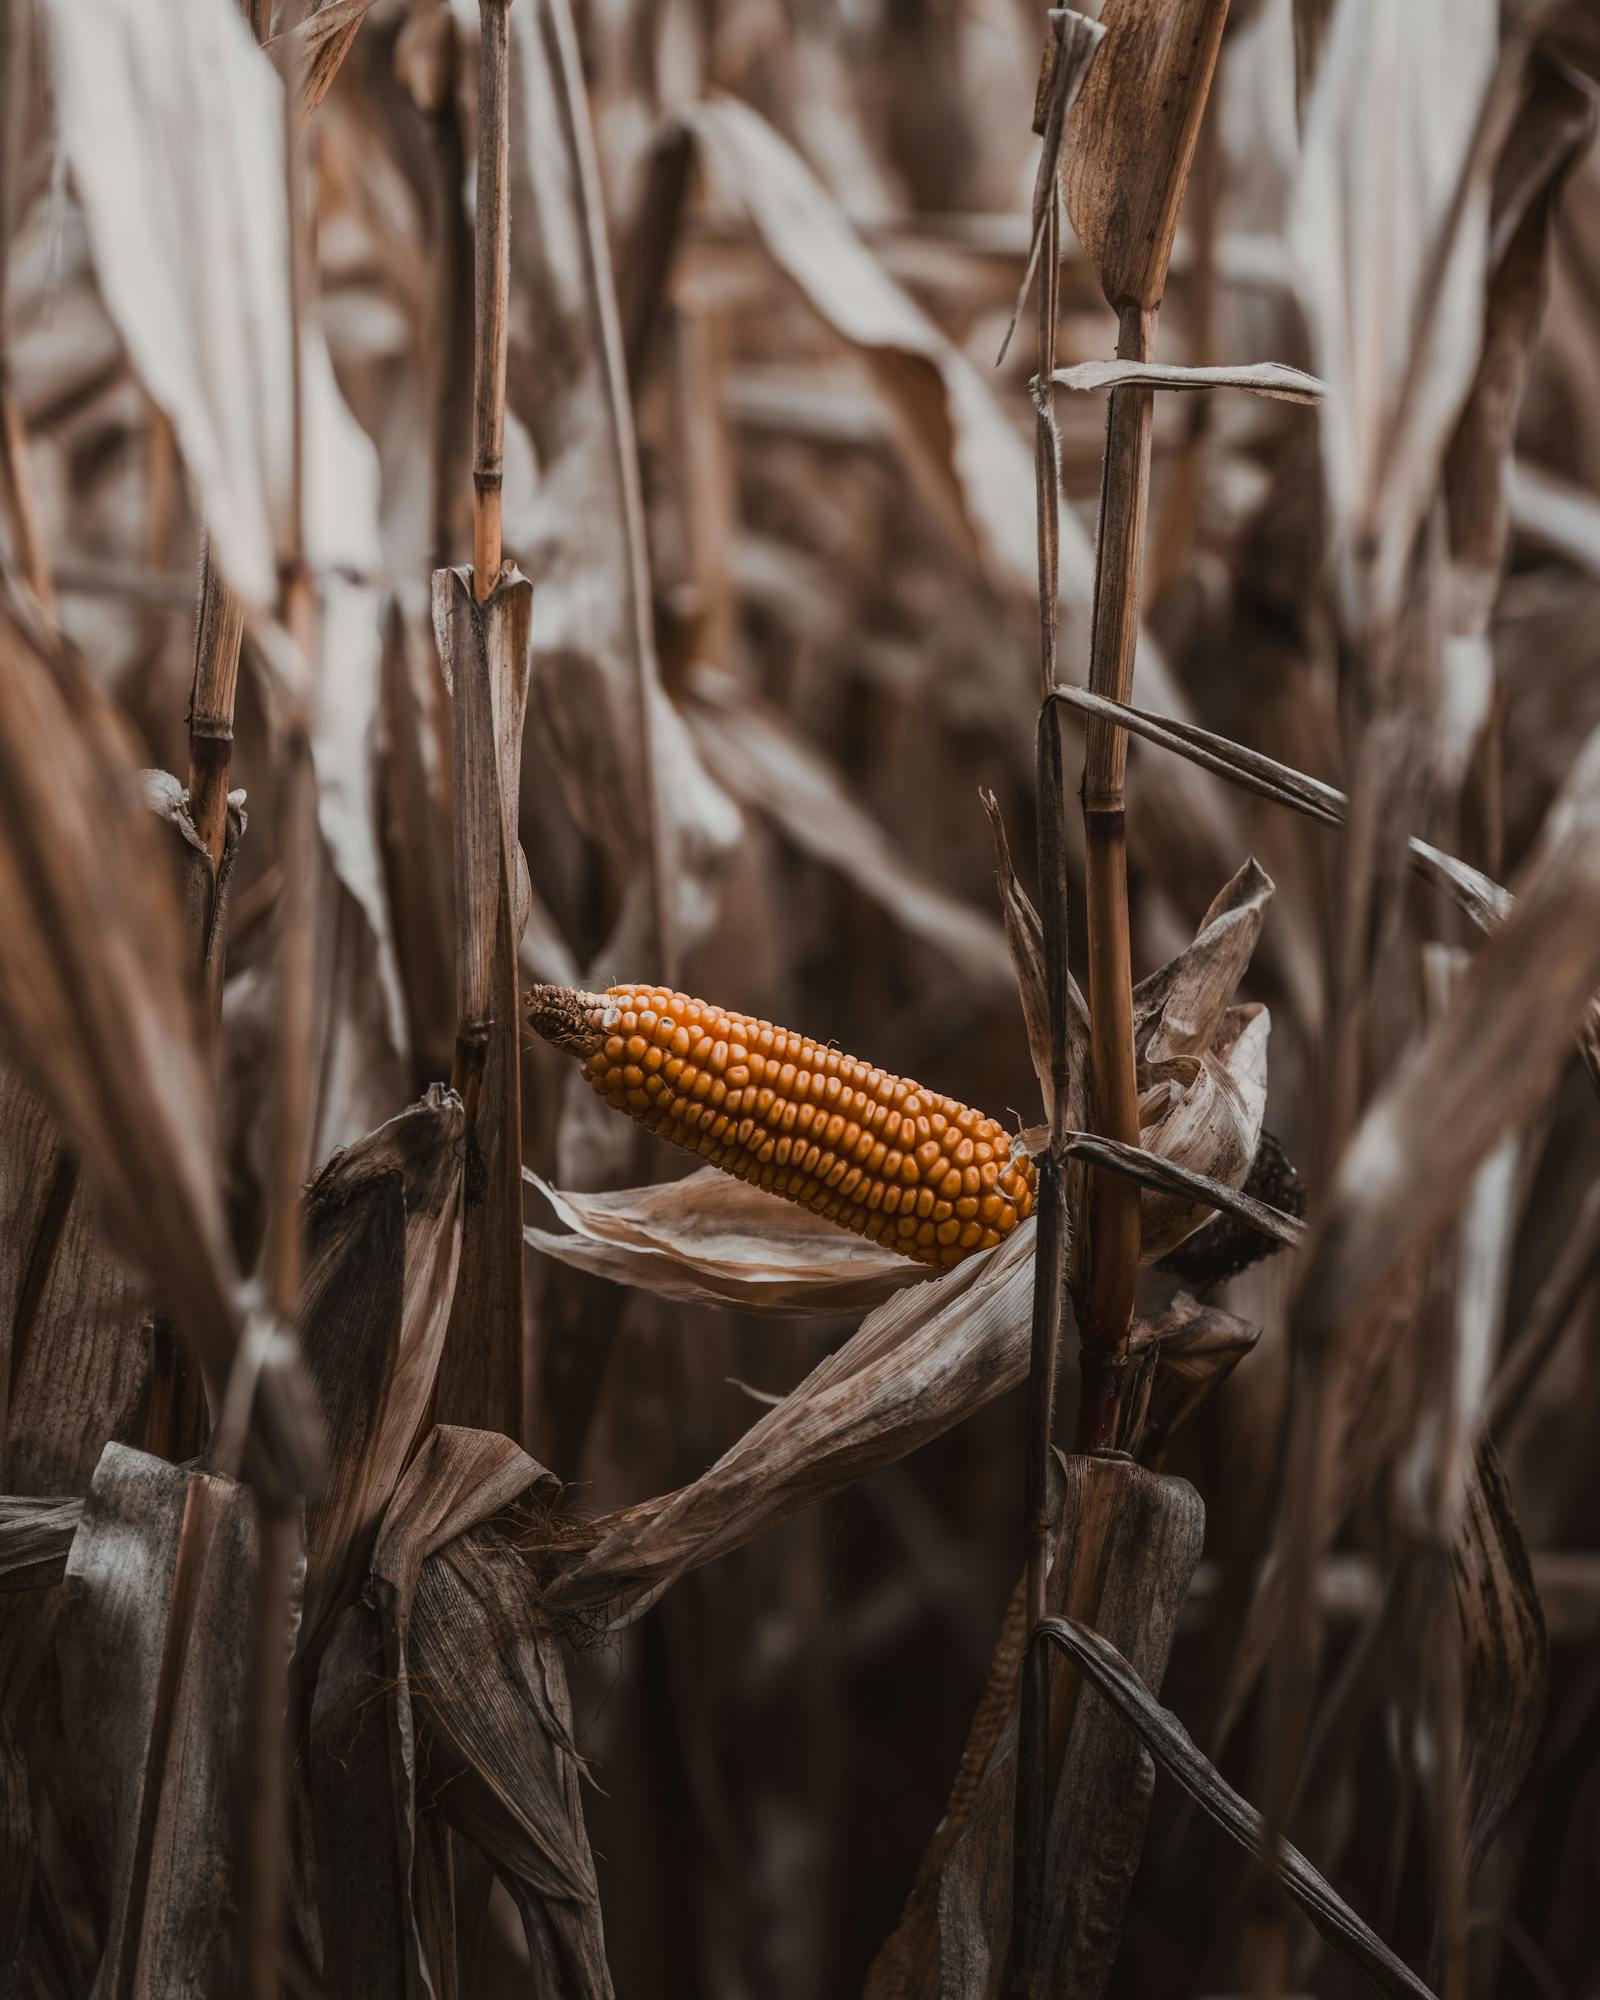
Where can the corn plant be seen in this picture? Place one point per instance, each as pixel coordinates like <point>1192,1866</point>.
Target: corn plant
<point>540,473</point>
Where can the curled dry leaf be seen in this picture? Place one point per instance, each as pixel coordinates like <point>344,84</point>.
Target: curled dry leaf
<point>1272,379</point>
<point>491,1691</point>
<point>394,1657</point>
<point>711,1240</point>
<point>918,1364</point>
<point>1131,137</point>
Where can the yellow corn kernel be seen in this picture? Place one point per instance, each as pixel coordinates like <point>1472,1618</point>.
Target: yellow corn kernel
<point>875,1153</point>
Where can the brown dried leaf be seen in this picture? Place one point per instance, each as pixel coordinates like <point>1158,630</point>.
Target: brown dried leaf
<point>35,1539</point>
<point>711,1240</point>
<point>154,1692</point>
<point>1505,1655</point>
<point>1131,136</point>
<point>315,49</point>
<point>94,1007</point>
<point>1272,379</point>
<point>383,1239</point>
<point>491,1691</point>
<point>1130,1541</point>
<point>758,757</point>
<point>457,1480</point>
<point>1179,1010</point>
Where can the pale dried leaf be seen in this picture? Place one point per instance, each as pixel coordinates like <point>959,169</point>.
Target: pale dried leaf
<point>1179,1010</point>
<point>172,121</point>
<point>1272,379</point>
<point>1389,229</point>
<point>711,1240</point>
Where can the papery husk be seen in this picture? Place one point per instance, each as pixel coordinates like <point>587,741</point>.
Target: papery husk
<point>711,1240</point>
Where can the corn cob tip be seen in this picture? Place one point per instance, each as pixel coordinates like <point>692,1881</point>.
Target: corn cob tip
<point>568,1018</point>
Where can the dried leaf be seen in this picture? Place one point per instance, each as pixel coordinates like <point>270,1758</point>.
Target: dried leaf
<point>916,1365</point>
<point>315,49</point>
<point>172,121</point>
<point>383,1239</point>
<point>94,1006</point>
<point>1129,1544</point>
<point>632,778</point>
<point>1165,1737</point>
<point>1131,136</point>
<point>1389,229</point>
<point>1272,379</point>
<point>1505,1656</point>
<point>711,1240</point>
<point>1482,900</point>
<point>491,1690</point>
<point>769,767</point>
<point>1179,1011</point>
<point>457,1480</point>
<point>35,1540</point>
<point>153,1686</point>
<point>1168,1178</point>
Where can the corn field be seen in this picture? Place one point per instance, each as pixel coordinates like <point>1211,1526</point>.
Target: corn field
<point>799,999</point>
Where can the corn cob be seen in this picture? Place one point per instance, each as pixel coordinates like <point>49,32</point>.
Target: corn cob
<point>903,1165</point>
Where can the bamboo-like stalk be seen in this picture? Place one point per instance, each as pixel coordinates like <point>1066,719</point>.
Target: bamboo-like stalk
<point>493,293</point>
<point>261,1874</point>
<point>1033,1793</point>
<point>482,620</point>
<point>1113,1246</point>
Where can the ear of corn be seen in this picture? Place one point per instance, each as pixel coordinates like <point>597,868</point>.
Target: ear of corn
<point>878,1154</point>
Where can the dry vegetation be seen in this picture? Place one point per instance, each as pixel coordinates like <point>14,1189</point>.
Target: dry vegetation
<point>451,1543</point>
